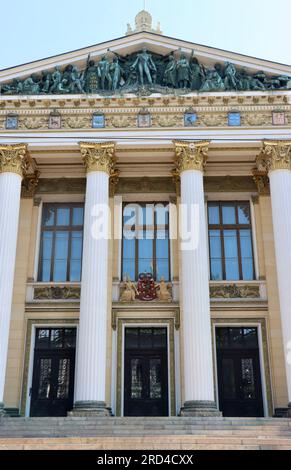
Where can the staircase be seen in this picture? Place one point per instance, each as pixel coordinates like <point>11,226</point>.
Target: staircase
<point>145,433</point>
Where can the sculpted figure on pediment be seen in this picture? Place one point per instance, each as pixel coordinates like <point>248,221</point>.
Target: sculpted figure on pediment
<point>145,68</point>
<point>91,77</point>
<point>184,72</point>
<point>170,74</point>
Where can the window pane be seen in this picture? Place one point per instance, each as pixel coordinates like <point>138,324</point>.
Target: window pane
<point>63,216</point>
<point>162,214</point>
<point>145,265</point>
<point>56,338</point>
<point>244,213</point>
<point>250,338</point>
<point>78,215</point>
<point>231,255</point>
<point>247,255</point>
<point>75,271</point>
<point>162,248</point>
<point>129,268</point>
<point>42,339</point>
<point>128,248</point>
<point>48,216</point>
<point>76,255</point>
<point>228,214</point>
<point>145,248</point>
<point>246,243</point>
<point>61,256</point>
<point>148,215</point>
<point>162,269</point>
<point>47,243</point>
<point>216,270</point>
<point>70,338</point>
<point>215,255</point>
<point>213,214</point>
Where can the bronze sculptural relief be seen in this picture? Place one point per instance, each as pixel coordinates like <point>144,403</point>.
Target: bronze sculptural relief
<point>145,71</point>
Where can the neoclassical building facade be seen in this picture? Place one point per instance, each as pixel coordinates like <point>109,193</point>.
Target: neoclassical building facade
<point>145,220</point>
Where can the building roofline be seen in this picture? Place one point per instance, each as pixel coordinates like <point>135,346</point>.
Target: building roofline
<point>136,34</point>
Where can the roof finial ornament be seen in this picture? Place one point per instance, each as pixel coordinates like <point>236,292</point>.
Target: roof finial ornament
<point>143,22</point>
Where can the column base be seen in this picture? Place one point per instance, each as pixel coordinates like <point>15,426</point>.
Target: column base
<point>90,408</point>
<point>200,409</point>
<point>2,411</point>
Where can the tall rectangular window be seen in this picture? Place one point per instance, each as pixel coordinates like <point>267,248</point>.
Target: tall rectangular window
<point>145,245</point>
<point>230,241</point>
<point>61,243</point>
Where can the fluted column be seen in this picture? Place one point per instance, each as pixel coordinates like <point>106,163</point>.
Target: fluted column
<point>276,160</point>
<point>198,362</point>
<point>91,348</point>
<point>12,166</point>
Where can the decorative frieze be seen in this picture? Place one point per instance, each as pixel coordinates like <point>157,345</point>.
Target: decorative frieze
<point>98,156</point>
<point>234,291</point>
<point>13,159</point>
<point>191,155</point>
<point>57,293</point>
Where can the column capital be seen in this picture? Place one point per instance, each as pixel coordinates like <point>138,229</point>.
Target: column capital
<point>275,155</point>
<point>191,155</point>
<point>98,156</point>
<point>13,159</point>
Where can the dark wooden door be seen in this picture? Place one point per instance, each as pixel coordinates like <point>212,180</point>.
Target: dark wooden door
<point>52,391</point>
<point>146,376</point>
<point>239,378</point>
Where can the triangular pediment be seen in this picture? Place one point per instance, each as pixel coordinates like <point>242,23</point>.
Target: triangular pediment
<point>212,63</point>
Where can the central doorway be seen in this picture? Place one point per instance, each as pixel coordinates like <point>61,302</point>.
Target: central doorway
<point>146,372</point>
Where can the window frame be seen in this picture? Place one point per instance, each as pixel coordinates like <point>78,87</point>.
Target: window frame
<point>59,228</point>
<point>143,228</point>
<point>236,227</point>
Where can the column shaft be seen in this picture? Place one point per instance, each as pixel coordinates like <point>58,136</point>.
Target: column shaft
<point>10,187</point>
<point>280,185</point>
<point>195,301</point>
<point>91,352</point>
<point>199,387</point>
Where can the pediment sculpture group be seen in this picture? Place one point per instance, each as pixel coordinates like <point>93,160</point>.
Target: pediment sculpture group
<point>143,69</point>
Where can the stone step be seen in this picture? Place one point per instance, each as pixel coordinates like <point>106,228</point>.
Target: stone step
<point>147,443</point>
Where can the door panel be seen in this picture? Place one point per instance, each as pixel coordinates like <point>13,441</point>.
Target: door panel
<point>240,392</point>
<point>146,378</point>
<point>53,379</point>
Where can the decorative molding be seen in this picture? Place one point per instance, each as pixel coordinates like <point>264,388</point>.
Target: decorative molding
<point>229,184</point>
<point>98,156</point>
<point>234,291</point>
<point>29,185</point>
<point>145,185</point>
<point>191,155</point>
<point>61,185</point>
<point>13,159</point>
<point>275,155</point>
<point>57,293</point>
<point>262,182</point>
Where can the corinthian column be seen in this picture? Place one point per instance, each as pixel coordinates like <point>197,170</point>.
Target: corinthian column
<point>276,160</point>
<point>198,363</point>
<point>91,348</point>
<point>12,166</point>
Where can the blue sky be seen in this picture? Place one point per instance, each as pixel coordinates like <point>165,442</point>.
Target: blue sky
<point>34,29</point>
